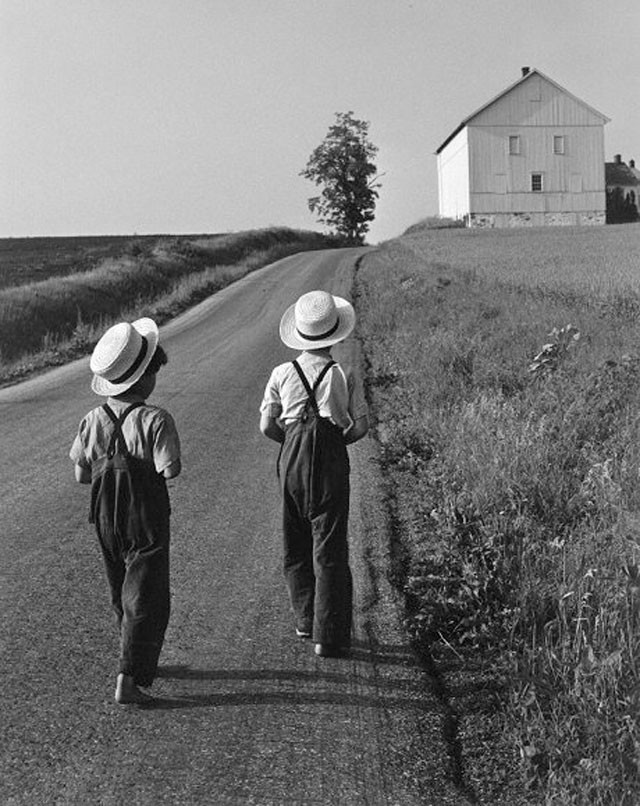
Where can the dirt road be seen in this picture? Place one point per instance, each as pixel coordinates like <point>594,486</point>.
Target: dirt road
<point>248,714</point>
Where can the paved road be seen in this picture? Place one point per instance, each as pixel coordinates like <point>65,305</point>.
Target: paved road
<point>249,715</point>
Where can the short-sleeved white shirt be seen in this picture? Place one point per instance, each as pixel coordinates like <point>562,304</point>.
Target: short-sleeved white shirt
<point>149,432</point>
<point>340,396</point>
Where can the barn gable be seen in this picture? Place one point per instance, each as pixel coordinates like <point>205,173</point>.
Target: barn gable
<point>533,100</point>
<point>537,101</point>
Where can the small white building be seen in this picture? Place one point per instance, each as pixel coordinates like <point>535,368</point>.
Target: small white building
<point>532,156</point>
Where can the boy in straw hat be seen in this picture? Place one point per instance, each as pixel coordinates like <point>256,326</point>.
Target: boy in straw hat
<point>313,408</point>
<point>126,449</point>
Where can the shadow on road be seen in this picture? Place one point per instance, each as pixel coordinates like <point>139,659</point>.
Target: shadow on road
<point>301,687</point>
<point>383,676</point>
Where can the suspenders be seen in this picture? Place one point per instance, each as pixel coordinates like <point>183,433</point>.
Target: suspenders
<point>117,443</point>
<point>311,393</point>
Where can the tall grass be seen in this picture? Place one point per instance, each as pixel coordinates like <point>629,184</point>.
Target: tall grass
<point>50,321</point>
<point>514,489</point>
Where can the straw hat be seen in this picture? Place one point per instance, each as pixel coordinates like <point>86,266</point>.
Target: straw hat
<point>122,355</point>
<point>318,319</point>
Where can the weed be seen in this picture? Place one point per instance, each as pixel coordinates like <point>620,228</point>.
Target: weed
<point>554,352</point>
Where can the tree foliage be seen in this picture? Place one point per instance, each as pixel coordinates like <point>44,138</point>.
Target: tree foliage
<point>621,207</point>
<point>343,166</point>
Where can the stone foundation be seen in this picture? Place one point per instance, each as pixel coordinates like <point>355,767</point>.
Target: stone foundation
<point>497,220</point>
<point>561,219</point>
<point>593,219</point>
<point>480,221</point>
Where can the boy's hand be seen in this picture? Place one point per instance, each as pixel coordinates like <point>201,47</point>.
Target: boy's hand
<point>83,474</point>
<point>270,428</point>
<point>356,430</point>
<point>174,469</point>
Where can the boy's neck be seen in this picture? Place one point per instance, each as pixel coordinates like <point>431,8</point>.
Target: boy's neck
<point>126,397</point>
<point>324,352</point>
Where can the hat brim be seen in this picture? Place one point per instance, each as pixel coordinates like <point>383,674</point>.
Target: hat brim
<point>290,336</point>
<point>146,327</point>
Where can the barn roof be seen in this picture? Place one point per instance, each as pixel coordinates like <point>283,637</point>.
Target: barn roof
<point>521,80</point>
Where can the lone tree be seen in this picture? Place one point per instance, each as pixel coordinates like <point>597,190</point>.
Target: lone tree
<point>343,165</point>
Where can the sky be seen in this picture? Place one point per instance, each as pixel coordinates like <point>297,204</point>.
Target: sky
<point>197,116</point>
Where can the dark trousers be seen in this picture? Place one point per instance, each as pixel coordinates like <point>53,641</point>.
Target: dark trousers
<point>314,474</point>
<point>136,557</point>
<point>140,597</point>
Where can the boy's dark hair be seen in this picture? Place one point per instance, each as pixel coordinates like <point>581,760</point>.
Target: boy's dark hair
<point>159,359</point>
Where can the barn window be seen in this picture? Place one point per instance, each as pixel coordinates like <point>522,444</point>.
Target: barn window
<point>514,144</point>
<point>536,183</point>
<point>558,143</point>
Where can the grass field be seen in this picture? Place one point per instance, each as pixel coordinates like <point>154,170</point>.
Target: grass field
<point>58,295</point>
<point>29,260</point>
<point>599,259</point>
<point>504,381</point>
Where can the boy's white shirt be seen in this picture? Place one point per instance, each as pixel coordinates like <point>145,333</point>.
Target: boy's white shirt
<point>149,431</point>
<point>339,397</point>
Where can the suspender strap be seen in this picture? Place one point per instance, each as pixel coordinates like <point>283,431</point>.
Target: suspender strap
<point>117,443</point>
<point>311,393</point>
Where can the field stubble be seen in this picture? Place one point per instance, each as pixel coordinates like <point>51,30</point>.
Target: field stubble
<point>513,487</point>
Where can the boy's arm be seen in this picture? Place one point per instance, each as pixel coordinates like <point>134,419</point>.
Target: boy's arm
<point>81,466</point>
<point>270,428</point>
<point>356,430</point>
<point>271,408</point>
<point>357,410</point>
<point>83,474</point>
<point>166,445</point>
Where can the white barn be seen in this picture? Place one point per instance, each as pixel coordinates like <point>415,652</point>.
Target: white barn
<point>532,156</point>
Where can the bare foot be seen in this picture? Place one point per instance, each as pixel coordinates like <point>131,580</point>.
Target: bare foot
<point>127,693</point>
<point>329,651</point>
